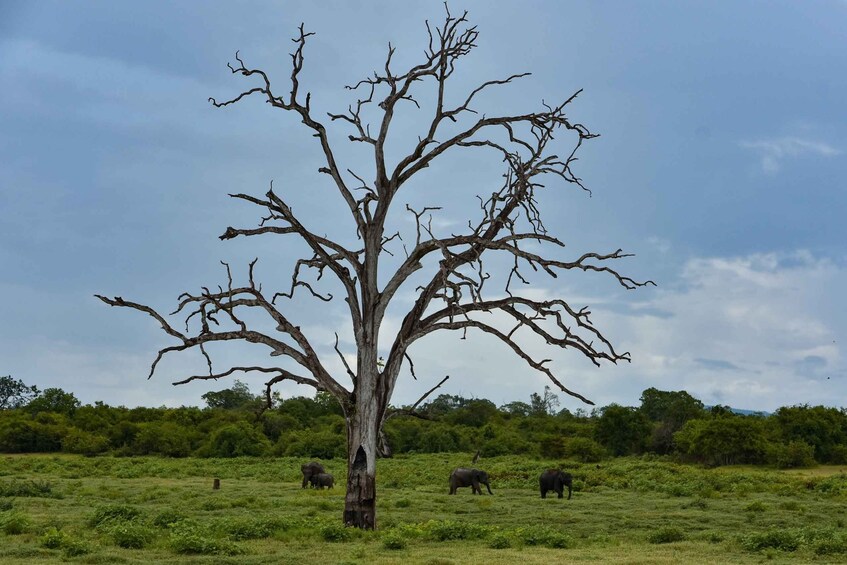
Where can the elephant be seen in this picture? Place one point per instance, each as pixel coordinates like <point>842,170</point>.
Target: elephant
<point>309,470</point>
<point>322,480</point>
<point>555,480</point>
<point>463,477</point>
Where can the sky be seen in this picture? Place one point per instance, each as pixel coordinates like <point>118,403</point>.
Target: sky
<point>721,165</point>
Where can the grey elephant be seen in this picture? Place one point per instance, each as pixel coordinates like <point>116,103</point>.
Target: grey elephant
<point>309,470</point>
<point>322,480</point>
<point>463,477</point>
<point>555,480</point>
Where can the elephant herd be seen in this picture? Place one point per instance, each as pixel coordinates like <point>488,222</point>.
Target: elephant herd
<point>315,475</point>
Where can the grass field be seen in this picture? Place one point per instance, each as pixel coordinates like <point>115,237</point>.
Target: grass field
<point>141,510</point>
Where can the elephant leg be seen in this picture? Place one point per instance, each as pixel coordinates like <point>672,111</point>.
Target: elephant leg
<point>544,493</point>
<point>561,495</point>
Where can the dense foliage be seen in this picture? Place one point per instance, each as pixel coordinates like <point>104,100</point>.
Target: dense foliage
<point>235,423</point>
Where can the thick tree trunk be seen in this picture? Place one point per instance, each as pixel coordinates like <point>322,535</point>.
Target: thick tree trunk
<point>362,437</point>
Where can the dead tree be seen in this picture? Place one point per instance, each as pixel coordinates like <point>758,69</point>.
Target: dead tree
<point>451,296</point>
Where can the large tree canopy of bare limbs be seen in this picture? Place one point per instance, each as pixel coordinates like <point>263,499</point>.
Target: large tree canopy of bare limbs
<point>533,148</point>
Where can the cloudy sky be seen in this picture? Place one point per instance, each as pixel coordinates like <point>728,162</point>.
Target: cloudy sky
<point>721,165</point>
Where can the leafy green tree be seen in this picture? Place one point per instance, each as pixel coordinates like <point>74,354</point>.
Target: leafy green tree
<point>673,407</point>
<point>791,455</point>
<point>444,404</point>
<point>14,393</point>
<point>235,440</point>
<point>622,430</point>
<point>84,443</point>
<point>821,427</point>
<point>21,434</point>
<point>543,405</point>
<point>54,400</point>
<point>584,449</point>
<point>724,440</point>
<point>164,438</point>
<point>238,396</point>
<point>516,408</point>
<point>475,413</point>
<point>669,410</point>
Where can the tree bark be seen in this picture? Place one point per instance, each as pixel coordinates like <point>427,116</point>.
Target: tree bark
<point>362,437</point>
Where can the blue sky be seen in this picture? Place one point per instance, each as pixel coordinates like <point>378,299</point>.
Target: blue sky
<point>721,164</point>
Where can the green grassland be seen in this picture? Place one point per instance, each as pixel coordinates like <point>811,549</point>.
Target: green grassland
<point>63,508</point>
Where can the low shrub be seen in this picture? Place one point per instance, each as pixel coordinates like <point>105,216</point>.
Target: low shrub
<point>697,503</point>
<point>500,541</point>
<point>167,518</point>
<point>449,530</point>
<point>546,537</point>
<point>14,523</point>
<point>191,539</point>
<point>57,539</point>
<point>781,539</point>
<point>35,489</point>
<point>756,506</point>
<point>831,546</point>
<point>131,535</point>
<point>335,532</point>
<point>107,515</point>
<point>667,534</point>
<point>53,538</point>
<point>393,540</point>
<point>246,528</point>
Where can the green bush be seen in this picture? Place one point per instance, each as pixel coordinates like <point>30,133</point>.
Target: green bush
<point>393,540</point>
<point>584,449</point>
<point>449,530</point>
<point>131,535</point>
<point>667,534</point>
<point>335,532</point>
<point>84,443</point>
<point>14,523</point>
<point>547,537</point>
<point>235,440</point>
<point>500,541</point>
<point>791,455</point>
<point>781,539</point>
<point>315,443</point>
<point>167,518</point>
<point>239,529</point>
<point>756,506</point>
<point>35,489</point>
<point>191,539</point>
<point>831,546</point>
<point>163,438</point>
<point>75,548</point>
<point>5,505</point>
<point>70,546</point>
<point>53,538</point>
<point>23,435</point>
<point>107,515</point>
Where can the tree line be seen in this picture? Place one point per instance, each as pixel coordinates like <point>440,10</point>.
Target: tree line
<point>235,422</point>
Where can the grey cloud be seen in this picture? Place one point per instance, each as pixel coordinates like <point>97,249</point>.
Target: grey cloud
<point>718,365</point>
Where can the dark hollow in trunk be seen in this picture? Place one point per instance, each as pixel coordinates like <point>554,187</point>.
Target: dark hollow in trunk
<point>360,503</point>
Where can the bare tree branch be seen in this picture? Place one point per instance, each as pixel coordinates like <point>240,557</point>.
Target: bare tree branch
<point>412,410</point>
